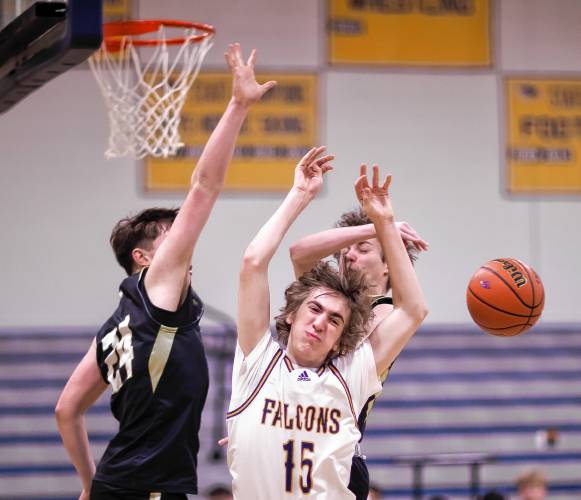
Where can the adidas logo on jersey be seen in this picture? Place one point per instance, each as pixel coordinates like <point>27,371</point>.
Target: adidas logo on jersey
<point>304,377</point>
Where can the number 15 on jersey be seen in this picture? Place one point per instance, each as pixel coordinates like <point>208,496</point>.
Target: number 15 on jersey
<point>305,471</point>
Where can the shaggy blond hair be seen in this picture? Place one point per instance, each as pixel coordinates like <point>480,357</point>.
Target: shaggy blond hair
<point>348,283</point>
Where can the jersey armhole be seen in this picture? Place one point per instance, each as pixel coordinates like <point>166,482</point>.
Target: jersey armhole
<point>258,350</point>
<point>178,318</point>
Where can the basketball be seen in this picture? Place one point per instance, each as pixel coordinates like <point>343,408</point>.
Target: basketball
<point>505,297</point>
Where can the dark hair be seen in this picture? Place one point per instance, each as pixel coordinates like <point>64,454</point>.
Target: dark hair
<point>493,495</point>
<point>219,490</point>
<point>358,217</point>
<point>347,282</point>
<point>140,230</point>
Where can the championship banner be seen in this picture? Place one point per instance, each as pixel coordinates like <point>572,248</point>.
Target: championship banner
<point>543,136</point>
<point>277,132</point>
<point>442,33</point>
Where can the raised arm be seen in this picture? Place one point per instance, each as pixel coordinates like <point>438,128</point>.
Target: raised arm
<point>253,315</point>
<point>168,276</point>
<point>392,334</point>
<point>307,251</point>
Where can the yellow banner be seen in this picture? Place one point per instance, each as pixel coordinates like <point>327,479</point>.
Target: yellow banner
<point>543,136</point>
<point>410,32</point>
<point>278,131</point>
<point>117,10</point>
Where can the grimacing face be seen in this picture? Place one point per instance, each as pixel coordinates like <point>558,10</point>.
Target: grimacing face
<point>367,257</point>
<point>317,326</point>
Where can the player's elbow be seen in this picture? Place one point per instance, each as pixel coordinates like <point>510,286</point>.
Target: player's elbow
<point>65,411</point>
<point>417,311</point>
<point>295,252</point>
<point>420,311</point>
<point>252,262</point>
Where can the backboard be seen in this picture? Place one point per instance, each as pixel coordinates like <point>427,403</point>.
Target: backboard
<point>40,40</point>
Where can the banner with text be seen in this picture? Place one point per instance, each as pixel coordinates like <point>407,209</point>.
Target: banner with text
<point>278,131</point>
<point>543,136</point>
<point>443,33</point>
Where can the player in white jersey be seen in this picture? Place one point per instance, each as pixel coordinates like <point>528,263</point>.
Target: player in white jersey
<point>292,421</point>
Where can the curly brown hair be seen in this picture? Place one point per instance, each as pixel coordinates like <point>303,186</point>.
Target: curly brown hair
<point>358,217</point>
<point>139,231</point>
<point>347,282</point>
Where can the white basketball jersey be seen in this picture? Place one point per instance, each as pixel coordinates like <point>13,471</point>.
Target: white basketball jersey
<point>292,431</point>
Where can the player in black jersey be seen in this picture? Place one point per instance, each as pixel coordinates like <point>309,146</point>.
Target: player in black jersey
<point>149,350</point>
<point>354,240</point>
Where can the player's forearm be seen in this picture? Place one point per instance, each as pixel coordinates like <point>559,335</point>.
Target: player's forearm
<point>217,154</point>
<point>266,242</point>
<point>406,289</point>
<point>307,251</point>
<point>76,441</point>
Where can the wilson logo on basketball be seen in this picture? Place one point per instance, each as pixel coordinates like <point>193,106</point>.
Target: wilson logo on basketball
<point>518,278</point>
<point>498,300</point>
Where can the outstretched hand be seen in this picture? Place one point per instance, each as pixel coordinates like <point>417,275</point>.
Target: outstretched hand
<point>310,170</point>
<point>411,237</point>
<point>245,89</point>
<point>374,199</point>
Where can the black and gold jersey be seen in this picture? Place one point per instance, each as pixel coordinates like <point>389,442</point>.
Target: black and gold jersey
<point>362,419</point>
<point>154,361</point>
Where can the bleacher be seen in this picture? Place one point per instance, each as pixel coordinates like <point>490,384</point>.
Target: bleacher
<point>462,413</point>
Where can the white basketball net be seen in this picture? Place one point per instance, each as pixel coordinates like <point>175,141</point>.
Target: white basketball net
<point>145,101</point>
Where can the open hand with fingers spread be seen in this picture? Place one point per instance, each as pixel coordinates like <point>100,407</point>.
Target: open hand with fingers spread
<point>310,170</point>
<point>245,89</point>
<point>374,198</point>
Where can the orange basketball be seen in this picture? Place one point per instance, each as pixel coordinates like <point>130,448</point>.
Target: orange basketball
<point>505,297</point>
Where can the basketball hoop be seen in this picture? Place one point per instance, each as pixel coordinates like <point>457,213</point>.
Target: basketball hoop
<point>145,99</point>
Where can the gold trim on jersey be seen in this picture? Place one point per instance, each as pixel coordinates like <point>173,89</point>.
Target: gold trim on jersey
<point>288,363</point>
<point>337,374</point>
<point>261,383</point>
<point>160,353</point>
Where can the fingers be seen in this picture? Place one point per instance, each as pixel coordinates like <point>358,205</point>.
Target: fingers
<point>223,441</point>
<point>233,56</point>
<point>238,54</point>
<point>375,176</point>
<point>324,159</point>
<point>252,58</point>
<point>322,164</point>
<point>311,155</point>
<point>409,234</point>
<point>229,61</point>
<point>268,85</point>
<point>387,183</point>
<point>362,187</point>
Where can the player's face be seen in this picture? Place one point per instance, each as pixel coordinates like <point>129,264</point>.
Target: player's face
<point>316,327</point>
<point>533,493</point>
<point>366,256</point>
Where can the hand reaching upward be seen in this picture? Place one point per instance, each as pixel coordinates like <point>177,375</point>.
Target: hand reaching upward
<point>245,89</point>
<point>374,199</point>
<point>310,170</point>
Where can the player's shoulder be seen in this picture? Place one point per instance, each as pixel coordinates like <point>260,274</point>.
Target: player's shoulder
<point>362,354</point>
